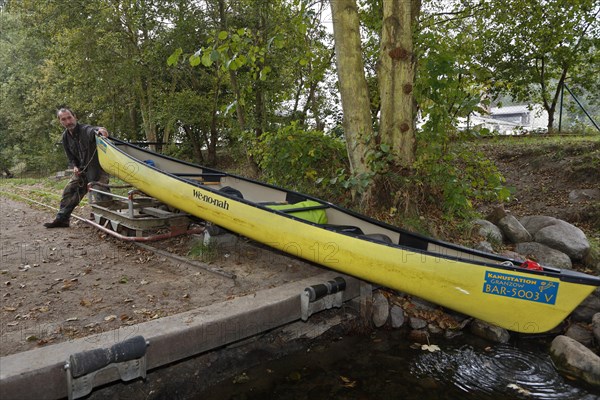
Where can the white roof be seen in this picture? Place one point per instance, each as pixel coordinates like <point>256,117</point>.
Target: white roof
<point>520,109</point>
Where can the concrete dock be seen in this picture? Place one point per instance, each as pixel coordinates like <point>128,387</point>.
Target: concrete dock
<point>41,373</point>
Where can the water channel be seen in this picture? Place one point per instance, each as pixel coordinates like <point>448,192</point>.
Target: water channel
<point>385,365</point>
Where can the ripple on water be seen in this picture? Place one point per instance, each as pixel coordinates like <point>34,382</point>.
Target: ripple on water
<point>501,370</point>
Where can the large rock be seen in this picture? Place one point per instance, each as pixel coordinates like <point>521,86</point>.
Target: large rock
<point>417,323</point>
<point>489,231</point>
<point>533,223</point>
<point>489,332</point>
<point>485,246</point>
<point>498,212</point>
<point>564,237</point>
<point>575,359</point>
<point>397,316</point>
<point>514,230</point>
<point>587,309</point>
<point>513,255</point>
<point>596,327</point>
<point>592,259</point>
<point>581,333</point>
<point>381,309</point>
<point>544,254</point>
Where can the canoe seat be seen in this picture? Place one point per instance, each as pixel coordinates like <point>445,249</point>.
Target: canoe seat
<point>232,192</point>
<point>204,178</point>
<point>347,229</point>
<point>356,231</point>
<point>377,236</point>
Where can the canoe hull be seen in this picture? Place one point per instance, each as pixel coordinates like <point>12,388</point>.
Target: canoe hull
<point>515,299</point>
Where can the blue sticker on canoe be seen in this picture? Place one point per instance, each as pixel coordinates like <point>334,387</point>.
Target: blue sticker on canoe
<point>520,287</point>
<point>101,144</point>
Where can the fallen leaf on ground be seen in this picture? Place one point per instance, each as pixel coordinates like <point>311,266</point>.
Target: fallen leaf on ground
<point>430,347</point>
<point>347,382</point>
<point>85,303</point>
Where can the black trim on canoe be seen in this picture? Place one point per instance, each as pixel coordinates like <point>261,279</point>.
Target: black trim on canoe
<point>409,241</point>
<point>202,174</point>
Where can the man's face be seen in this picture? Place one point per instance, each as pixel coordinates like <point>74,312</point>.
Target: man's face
<point>67,120</point>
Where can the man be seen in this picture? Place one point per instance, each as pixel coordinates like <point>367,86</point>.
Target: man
<point>79,142</point>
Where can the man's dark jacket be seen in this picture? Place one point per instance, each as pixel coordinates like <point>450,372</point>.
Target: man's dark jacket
<point>80,148</point>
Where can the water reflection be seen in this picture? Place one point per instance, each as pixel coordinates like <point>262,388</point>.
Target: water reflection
<point>385,366</point>
<point>495,371</point>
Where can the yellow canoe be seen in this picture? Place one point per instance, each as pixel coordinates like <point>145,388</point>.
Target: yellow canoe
<point>485,286</point>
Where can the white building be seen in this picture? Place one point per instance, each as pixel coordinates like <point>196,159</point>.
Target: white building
<point>510,120</point>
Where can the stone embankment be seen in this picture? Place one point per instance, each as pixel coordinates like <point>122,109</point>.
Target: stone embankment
<point>547,240</point>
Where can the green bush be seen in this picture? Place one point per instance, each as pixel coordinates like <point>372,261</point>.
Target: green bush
<point>298,159</point>
<point>453,177</point>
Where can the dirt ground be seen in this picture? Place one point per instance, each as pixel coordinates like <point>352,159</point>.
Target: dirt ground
<point>59,284</point>
<point>542,175</point>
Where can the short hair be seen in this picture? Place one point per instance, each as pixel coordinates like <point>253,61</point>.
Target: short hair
<point>63,110</point>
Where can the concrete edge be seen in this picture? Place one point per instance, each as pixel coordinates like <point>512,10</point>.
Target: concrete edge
<point>40,373</point>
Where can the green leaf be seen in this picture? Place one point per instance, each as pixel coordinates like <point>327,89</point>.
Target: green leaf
<point>206,61</point>
<point>223,35</point>
<point>279,41</point>
<point>194,60</point>
<point>264,72</point>
<point>174,58</point>
<point>232,65</point>
<point>241,60</point>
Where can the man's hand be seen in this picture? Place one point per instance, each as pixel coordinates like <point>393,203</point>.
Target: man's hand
<point>76,171</point>
<point>103,132</point>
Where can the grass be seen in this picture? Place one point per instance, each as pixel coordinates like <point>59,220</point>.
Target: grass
<point>45,190</point>
<point>203,252</point>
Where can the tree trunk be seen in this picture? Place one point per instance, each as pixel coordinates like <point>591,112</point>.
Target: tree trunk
<point>259,110</point>
<point>357,123</point>
<point>196,144</point>
<point>396,75</point>
<point>146,109</point>
<point>551,109</point>
<point>240,109</point>
<point>214,132</point>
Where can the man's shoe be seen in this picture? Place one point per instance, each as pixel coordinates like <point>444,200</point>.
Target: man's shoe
<point>57,223</point>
